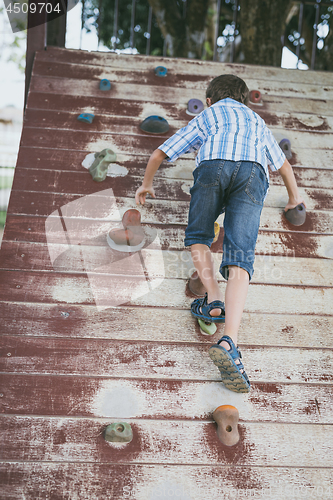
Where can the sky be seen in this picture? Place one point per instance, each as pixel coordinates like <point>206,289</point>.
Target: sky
<point>12,79</point>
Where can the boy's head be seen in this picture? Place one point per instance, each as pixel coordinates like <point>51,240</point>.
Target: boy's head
<point>227,86</point>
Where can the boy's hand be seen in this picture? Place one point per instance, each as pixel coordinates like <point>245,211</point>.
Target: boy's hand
<point>141,193</point>
<point>292,204</point>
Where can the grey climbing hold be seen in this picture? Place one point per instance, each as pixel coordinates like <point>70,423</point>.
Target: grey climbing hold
<point>297,215</point>
<point>285,145</point>
<point>86,117</point>
<point>161,71</point>
<point>194,107</point>
<point>155,125</point>
<point>119,432</point>
<point>105,84</point>
<point>99,168</point>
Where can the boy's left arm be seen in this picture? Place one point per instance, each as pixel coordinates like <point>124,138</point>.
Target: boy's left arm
<point>147,184</point>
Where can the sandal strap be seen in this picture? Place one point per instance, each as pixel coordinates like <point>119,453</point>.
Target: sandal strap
<point>233,351</point>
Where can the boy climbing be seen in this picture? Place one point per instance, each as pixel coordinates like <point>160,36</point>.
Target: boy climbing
<point>234,149</point>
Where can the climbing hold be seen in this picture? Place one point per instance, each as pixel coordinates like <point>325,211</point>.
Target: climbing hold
<point>105,84</point>
<point>255,97</point>
<point>196,286</point>
<point>226,417</point>
<point>86,117</point>
<point>119,432</point>
<point>99,168</point>
<point>161,71</point>
<point>286,147</point>
<point>194,107</point>
<point>132,237</point>
<point>297,215</point>
<point>155,125</point>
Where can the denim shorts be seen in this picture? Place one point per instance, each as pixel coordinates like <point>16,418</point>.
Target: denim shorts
<point>238,189</point>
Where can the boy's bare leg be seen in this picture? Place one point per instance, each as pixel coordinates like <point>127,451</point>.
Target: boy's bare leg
<point>204,264</point>
<point>235,297</point>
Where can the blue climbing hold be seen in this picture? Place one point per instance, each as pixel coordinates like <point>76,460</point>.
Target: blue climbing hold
<point>105,84</point>
<point>194,107</point>
<point>154,125</point>
<point>86,117</point>
<point>161,71</point>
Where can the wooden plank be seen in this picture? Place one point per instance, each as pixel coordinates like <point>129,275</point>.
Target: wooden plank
<point>160,399</point>
<point>286,97</point>
<point>145,144</point>
<point>98,288</point>
<point>106,207</point>
<point>71,161</point>
<point>54,181</point>
<point>73,321</point>
<point>90,256</point>
<point>56,112</point>
<point>191,443</point>
<point>280,243</point>
<point>181,66</point>
<point>154,360</point>
<point>91,481</point>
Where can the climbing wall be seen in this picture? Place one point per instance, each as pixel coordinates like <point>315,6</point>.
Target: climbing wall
<point>95,338</point>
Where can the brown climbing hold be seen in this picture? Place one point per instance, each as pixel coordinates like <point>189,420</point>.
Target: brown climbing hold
<point>195,285</point>
<point>226,417</point>
<point>132,236</point>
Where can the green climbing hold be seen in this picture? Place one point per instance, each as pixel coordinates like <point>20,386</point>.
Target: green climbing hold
<point>119,432</point>
<point>99,168</point>
<point>155,125</point>
<point>207,328</point>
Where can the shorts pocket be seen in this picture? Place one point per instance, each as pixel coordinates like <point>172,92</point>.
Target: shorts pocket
<point>257,185</point>
<point>207,174</point>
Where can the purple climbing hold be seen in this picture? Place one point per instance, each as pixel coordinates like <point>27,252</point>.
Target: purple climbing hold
<point>194,107</point>
<point>286,147</point>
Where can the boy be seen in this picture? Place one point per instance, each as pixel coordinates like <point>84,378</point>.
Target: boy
<point>234,147</point>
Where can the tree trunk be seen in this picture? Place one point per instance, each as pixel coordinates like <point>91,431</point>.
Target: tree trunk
<point>184,35</point>
<point>262,24</point>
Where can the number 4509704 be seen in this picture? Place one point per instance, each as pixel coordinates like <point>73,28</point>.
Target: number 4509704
<point>17,8</point>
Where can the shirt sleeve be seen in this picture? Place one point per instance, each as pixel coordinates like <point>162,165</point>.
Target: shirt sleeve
<point>274,153</point>
<point>186,140</point>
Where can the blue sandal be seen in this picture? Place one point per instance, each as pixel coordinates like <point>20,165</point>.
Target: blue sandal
<point>231,372</point>
<point>204,313</point>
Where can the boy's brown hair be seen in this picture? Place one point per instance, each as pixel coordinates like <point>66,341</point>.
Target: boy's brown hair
<point>228,86</point>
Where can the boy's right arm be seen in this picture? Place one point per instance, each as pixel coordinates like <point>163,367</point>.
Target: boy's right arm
<point>289,180</point>
<point>147,184</point>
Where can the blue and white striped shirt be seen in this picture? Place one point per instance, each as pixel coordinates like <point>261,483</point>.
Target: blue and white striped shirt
<point>227,130</point>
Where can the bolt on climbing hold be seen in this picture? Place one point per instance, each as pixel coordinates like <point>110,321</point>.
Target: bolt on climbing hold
<point>255,97</point>
<point>194,107</point>
<point>99,168</point>
<point>119,432</point>
<point>155,125</point>
<point>132,237</point>
<point>105,84</point>
<point>297,215</point>
<point>285,145</point>
<point>161,71</point>
<point>86,117</point>
<point>226,417</point>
